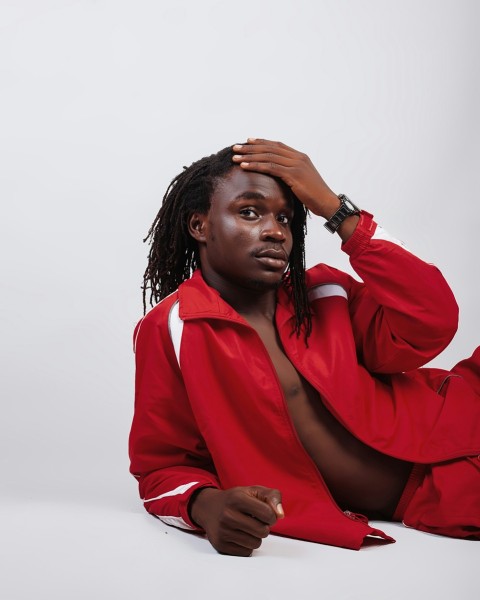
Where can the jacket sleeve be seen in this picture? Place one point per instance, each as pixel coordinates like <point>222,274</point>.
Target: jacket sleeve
<point>168,455</point>
<point>404,314</point>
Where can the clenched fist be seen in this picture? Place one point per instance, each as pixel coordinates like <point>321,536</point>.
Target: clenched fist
<point>238,519</point>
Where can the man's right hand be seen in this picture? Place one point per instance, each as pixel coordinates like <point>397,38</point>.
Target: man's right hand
<point>237,520</point>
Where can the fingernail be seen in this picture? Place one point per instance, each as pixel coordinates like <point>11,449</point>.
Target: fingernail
<point>236,157</point>
<point>251,139</point>
<point>244,164</point>
<point>237,146</point>
<point>280,512</point>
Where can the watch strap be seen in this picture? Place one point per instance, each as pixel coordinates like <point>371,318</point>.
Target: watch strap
<point>347,208</point>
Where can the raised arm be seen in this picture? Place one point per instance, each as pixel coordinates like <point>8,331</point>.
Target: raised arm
<point>404,313</point>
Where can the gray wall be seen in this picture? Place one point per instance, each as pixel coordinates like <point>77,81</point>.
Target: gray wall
<point>102,103</point>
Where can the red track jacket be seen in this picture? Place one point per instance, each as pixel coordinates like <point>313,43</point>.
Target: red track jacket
<point>209,409</point>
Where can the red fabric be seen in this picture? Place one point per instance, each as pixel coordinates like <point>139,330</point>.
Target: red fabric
<point>414,480</point>
<point>447,501</point>
<point>221,420</point>
<point>444,498</point>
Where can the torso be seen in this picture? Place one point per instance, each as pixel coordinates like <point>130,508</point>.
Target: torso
<point>359,478</point>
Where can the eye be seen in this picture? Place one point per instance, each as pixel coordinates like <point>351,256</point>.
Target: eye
<point>250,213</point>
<point>283,219</point>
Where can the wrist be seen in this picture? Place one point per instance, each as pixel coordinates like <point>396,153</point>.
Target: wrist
<point>325,207</point>
<point>198,504</point>
<point>347,228</point>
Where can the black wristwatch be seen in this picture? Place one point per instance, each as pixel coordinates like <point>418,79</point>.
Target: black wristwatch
<point>347,208</point>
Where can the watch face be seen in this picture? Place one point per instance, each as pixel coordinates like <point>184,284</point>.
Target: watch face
<point>349,204</point>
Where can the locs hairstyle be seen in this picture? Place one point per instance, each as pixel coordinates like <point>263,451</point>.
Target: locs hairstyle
<point>174,253</point>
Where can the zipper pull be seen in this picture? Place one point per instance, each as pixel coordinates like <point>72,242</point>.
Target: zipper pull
<point>356,516</point>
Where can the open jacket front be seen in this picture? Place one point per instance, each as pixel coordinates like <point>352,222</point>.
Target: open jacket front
<point>209,409</point>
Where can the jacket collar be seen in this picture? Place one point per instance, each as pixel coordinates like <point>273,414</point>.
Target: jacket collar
<point>199,300</point>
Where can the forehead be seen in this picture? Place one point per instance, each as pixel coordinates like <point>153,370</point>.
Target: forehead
<point>238,183</point>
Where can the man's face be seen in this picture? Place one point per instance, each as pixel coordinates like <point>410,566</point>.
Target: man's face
<point>245,239</point>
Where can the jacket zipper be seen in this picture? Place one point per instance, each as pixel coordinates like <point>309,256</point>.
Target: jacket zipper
<point>346,513</point>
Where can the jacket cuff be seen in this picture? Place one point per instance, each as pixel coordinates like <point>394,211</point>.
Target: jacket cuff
<point>185,505</point>
<point>172,507</point>
<point>360,238</point>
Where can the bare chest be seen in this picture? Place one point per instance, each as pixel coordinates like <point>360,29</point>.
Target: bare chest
<point>359,477</point>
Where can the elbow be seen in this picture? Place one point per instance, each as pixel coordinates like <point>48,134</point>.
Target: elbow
<point>447,323</point>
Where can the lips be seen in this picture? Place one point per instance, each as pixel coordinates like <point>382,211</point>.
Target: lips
<point>276,258</point>
<point>273,253</point>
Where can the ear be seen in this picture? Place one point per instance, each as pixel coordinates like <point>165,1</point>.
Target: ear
<point>197,225</point>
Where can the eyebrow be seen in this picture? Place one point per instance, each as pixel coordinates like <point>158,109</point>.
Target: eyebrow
<point>248,195</point>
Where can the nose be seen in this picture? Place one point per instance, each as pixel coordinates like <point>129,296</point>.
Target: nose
<point>272,230</point>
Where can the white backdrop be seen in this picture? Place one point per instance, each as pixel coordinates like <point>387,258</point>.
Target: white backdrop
<point>101,104</point>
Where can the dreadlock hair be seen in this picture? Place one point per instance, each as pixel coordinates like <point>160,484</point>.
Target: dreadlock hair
<point>174,254</point>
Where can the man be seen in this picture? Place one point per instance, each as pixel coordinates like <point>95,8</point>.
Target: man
<point>270,399</point>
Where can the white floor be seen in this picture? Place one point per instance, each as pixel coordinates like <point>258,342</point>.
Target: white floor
<point>52,550</point>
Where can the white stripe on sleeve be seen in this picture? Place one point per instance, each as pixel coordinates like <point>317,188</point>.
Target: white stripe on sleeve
<point>181,489</point>
<point>326,291</point>
<point>175,521</point>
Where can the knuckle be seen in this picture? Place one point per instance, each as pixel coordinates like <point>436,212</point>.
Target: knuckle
<point>216,542</point>
<point>222,547</point>
<point>232,549</point>
<point>271,518</point>
<point>256,543</point>
<point>264,531</point>
<point>232,494</point>
<point>229,494</point>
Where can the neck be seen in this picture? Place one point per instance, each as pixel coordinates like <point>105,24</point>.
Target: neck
<point>250,300</point>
